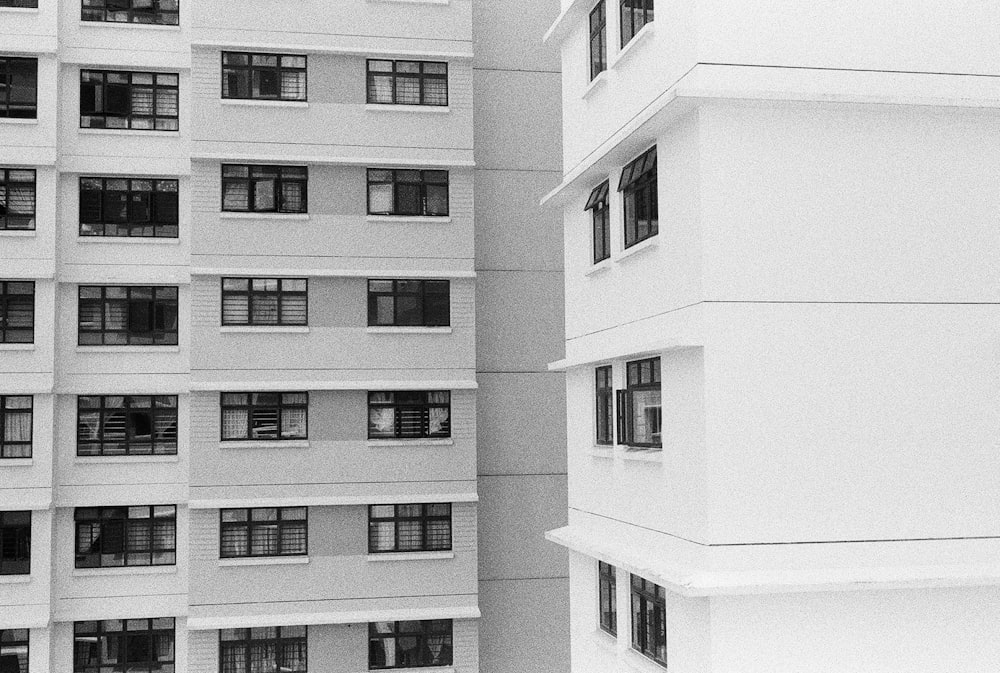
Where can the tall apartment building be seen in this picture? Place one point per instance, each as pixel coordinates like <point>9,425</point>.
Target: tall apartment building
<point>782,325</point>
<point>271,397</point>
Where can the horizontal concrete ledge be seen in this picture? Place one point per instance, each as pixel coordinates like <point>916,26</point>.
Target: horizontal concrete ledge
<point>392,107</point>
<point>17,347</point>
<point>36,498</point>
<point>128,240</point>
<point>382,384</point>
<point>27,383</point>
<point>333,159</point>
<point>330,49</point>
<point>407,219</point>
<point>15,579</point>
<point>128,349</point>
<point>126,460</point>
<point>18,233</point>
<point>263,561</point>
<point>412,556</point>
<point>266,444</point>
<point>639,350</point>
<point>408,330</point>
<point>262,329</point>
<point>332,273</point>
<point>333,500</point>
<point>405,443</point>
<point>16,462</point>
<point>32,616</point>
<point>228,215</point>
<point>346,617</point>
<point>125,571</point>
<point>265,103</point>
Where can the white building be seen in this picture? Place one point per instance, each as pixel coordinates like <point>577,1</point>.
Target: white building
<point>781,286</point>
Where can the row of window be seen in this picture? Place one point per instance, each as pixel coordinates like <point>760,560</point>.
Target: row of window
<point>639,421</point>
<point>640,217</point>
<point>632,14</point>
<point>649,612</point>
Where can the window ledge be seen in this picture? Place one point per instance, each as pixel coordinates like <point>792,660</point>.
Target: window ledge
<point>254,329</point>
<point>393,107</point>
<point>408,330</point>
<point>122,460</point>
<point>641,37</point>
<point>599,267</point>
<point>17,347</point>
<point>419,2</point>
<point>128,349</point>
<point>16,462</point>
<point>265,103</point>
<point>596,83</point>
<point>599,451</point>
<point>125,570</point>
<point>127,24</point>
<point>15,120</point>
<point>128,240</point>
<point>412,556</point>
<point>641,246</point>
<point>409,219</point>
<point>263,561</point>
<point>142,133</point>
<point>25,233</point>
<point>263,216</point>
<point>643,455</point>
<point>640,663</point>
<point>410,442</point>
<point>20,10</point>
<point>267,444</point>
<point>15,579</point>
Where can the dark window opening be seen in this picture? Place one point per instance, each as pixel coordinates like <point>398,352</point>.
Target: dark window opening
<point>113,537</point>
<point>416,303</point>
<point>126,425</point>
<point>640,418</point>
<point>124,646</point>
<point>407,82</point>
<point>140,207</point>
<point>141,101</point>
<point>263,531</point>
<point>604,390</point>
<point>598,40</point>
<point>264,189</point>
<point>407,192</point>
<point>607,591</point>
<point>639,199</point>
<point>411,644</point>
<point>265,301</point>
<point>17,312</point>
<point>649,619</point>
<point>263,76</point>
<point>127,315</point>
<point>263,649</point>
<point>600,215</point>
<point>409,414</point>
<point>409,528</point>
<point>15,543</point>
<point>17,199</point>
<point>263,416</point>
<point>18,87</point>
<point>634,15</point>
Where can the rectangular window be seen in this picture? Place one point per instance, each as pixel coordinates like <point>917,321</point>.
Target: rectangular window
<point>19,3</point>
<point>600,215</point>
<point>407,192</point>
<point>17,199</point>
<point>265,301</point>
<point>635,14</point>
<point>263,76</point>
<point>402,528</point>
<point>135,315</point>
<point>112,537</point>
<point>16,419</point>
<point>407,82</point>
<point>608,595</point>
<point>141,101</point>
<point>418,303</point>
<point>409,644</point>
<point>264,189</point>
<point>598,40</point>
<point>17,312</point>
<point>264,531</point>
<point>604,398</point>
<point>263,649</point>
<point>18,87</point>
<point>639,200</point>
<point>267,416</point>
<point>124,646</point>
<point>14,650</point>
<point>126,425</point>
<point>15,543</point>
<point>155,12</point>
<point>649,619</point>
<point>140,207</point>
<point>639,414</point>
<point>409,414</point>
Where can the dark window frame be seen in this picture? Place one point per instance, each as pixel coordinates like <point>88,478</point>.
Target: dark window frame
<point>607,598</point>
<point>429,310</point>
<point>15,542</point>
<point>397,180</point>
<point>92,637</point>
<point>604,416</point>
<point>156,309</point>
<point>159,410</point>
<point>277,70</point>
<point>395,74</point>
<point>6,217</point>
<point>638,186</point>
<point>642,594</point>
<point>30,109</point>
<point>103,99</point>
<point>250,525</point>
<point>9,646</point>
<point>163,219</point>
<point>7,444</point>
<point>280,295</point>
<point>428,629</point>
<point>598,22</point>
<point>423,407</point>
<point>600,217</point>
<point>278,194</point>
<point>250,406</point>
<point>160,16</point>
<point>247,644</point>
<point>633,22</point>
<point>24,4</point>
<point>9,299</point>
<point>636,381</point>
<point>121,536</point>
<point>425,518</point>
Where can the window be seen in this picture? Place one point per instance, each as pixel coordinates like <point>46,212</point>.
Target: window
<point>127,315</point>
<point>635,14</point>
<point>15,426</point>
<point>639,414</point>
<point>600,215</point>
<point>598,40</point>
<point>407,192</point>
<point>422,303</point>
<point>263,76</point>
<point>18,87</point>
<point>18,3</point>
<point>638,188</point>
<point>159,12</point>
<point>15,543</point>
<point>141,101</point>
<point>649,619</point>
<point>409,644</point>
<point>17,312</point>
<point>142,207</point>
<point>604,401</point>
<point>264,189</point>
<point>126,425</point>
<point>14,650</point>
<point>607,595</point>
<point>17,199</point>
<point>265,301</point>
<point>407,82</point>
<point>265,416</point>
<point>124,646</point>
<point>264,531</point>
<point>409,414</point>
<point>260,649</point>
<point>112,537</point>
<point>401,528</point>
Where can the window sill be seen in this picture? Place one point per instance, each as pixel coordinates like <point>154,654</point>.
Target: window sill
<point>125,570</point>
<point>128,349</point>
<point>642,455</point>
<point>128,132</point>
<point>408,330</point>
<point>20,10</point>
<point>15,579</point>
<point>126,24</point>
<point>639,38</point>
<point>267,444</point>
<point>17,347</point>
<point>16,462</point>
<point>595,84</point>
<point>412,556</point>
<point>408,219</point>
<point>128,240</point>
<point>392,107</point>
<point>598,451</point>
<point>260,329</point>
<point>123,460</point>
<point>15,120</point>
<point>410,442</point>
<point>599,267</point>
<point>641,246</point>
<point>641,663</point>
<point>263,216</point>
<point>265,561</point>
<point>418,2</point>
<point>265,103</point>
<point>21,233</point>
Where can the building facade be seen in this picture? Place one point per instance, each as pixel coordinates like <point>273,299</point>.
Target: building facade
<point>266,377</point>
<point>781,299</point>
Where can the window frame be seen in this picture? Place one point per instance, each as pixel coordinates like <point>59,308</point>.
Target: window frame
<point>6,444</point>
<point>607,587</point>
<point>249,524</point>
<point>425,518</point>
<point>251,69</point>
<point>103,411</point>
<point>279,642</point>
<point>641,631</point>
<point>132,13</point>
<point>157,309</point>
<point>5,185</point>
<point>278,193</point>
<point>30,108</point>
<point>159,222</point>
<point>600,217</point>
<point>638,184</point>
<point>20,562</point>
<point>604,395</point>
<point>107,515</point>
<point>7,298</point>
<point>250,406</point>
<point>634,25</point>
<point>422,185</point>
<point>599,31</point>
<point>425,302</point>
<point>625,403</point>
<point>250,293</point>
<point>396,633</point>
<point>101,101</point>
<point>395,74</point>
<point>20,4</point>
<point>96,640</point>
<point>20,638</point>
<point>424,407</point>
